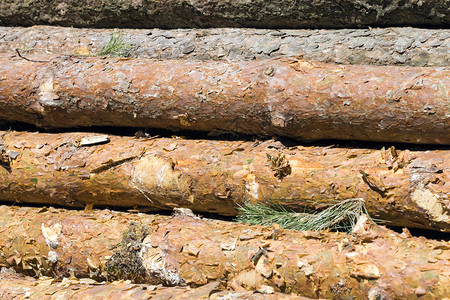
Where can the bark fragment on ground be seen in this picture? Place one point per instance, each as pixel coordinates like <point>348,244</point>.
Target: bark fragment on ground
<point>222,13</point>
<point>405,188</point>
<point>377,46</point>
<point>284,97</point>
<point>17,286</point>
<point>371,262</point>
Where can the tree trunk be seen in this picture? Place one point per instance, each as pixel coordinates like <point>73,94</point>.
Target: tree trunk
<point>221,13</point>
<point>377,46</point>
<point>16,286</point>
<point>287,97</point>
<point>405,188</point>
<point>371,262</point>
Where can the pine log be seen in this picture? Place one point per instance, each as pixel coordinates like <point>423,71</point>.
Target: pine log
<point>221,13</point>
<point>405,188</point>
<point>17,286</point>
<point>372,262</point>
<point>287,97</point>
<point>377,46</point>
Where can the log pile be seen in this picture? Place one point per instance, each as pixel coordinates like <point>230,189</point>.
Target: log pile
<point>314,111</point>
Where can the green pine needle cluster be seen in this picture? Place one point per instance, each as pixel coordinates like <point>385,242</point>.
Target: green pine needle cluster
<point>117,46</point>
<point>341,216</point>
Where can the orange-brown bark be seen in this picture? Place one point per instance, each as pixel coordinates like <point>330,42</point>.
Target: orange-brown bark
<point>16,286</point>
<point>287,97</point>
<point>371,262</point>
<point>405,188</point>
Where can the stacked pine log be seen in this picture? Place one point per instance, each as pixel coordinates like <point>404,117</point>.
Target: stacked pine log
<point>292,114</point>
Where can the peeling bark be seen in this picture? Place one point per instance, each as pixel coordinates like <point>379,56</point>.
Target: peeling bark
<point>221,13</point>
<point>16,286</point>
<point>405,188</point>
<point>371,262</point>
<point>287,97</point>
<point>377,46</point>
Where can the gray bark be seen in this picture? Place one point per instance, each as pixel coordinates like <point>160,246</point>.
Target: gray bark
<point>387,46</point>
<point>223,13</point>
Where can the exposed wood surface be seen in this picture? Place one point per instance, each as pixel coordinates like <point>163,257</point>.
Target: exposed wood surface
<point>403,46</point>
<point>286,96</point>
<point>373,261</point>
<point>222,13</point>
<point>405,188</point>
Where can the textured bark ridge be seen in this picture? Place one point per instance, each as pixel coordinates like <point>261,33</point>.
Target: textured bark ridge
<point>372,262</point>
<point>16,286</point>
<point>221,13</point>
<point>405,188</point>
<point>386,46</point>
<point>290,97</point>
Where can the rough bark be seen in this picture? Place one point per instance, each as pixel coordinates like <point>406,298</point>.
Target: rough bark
<point>287,97</point>
<point>387,46</point>
<point>373,262</point>
<point>405,188</point>
<point>17,286</point>
<point>221,13</point>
